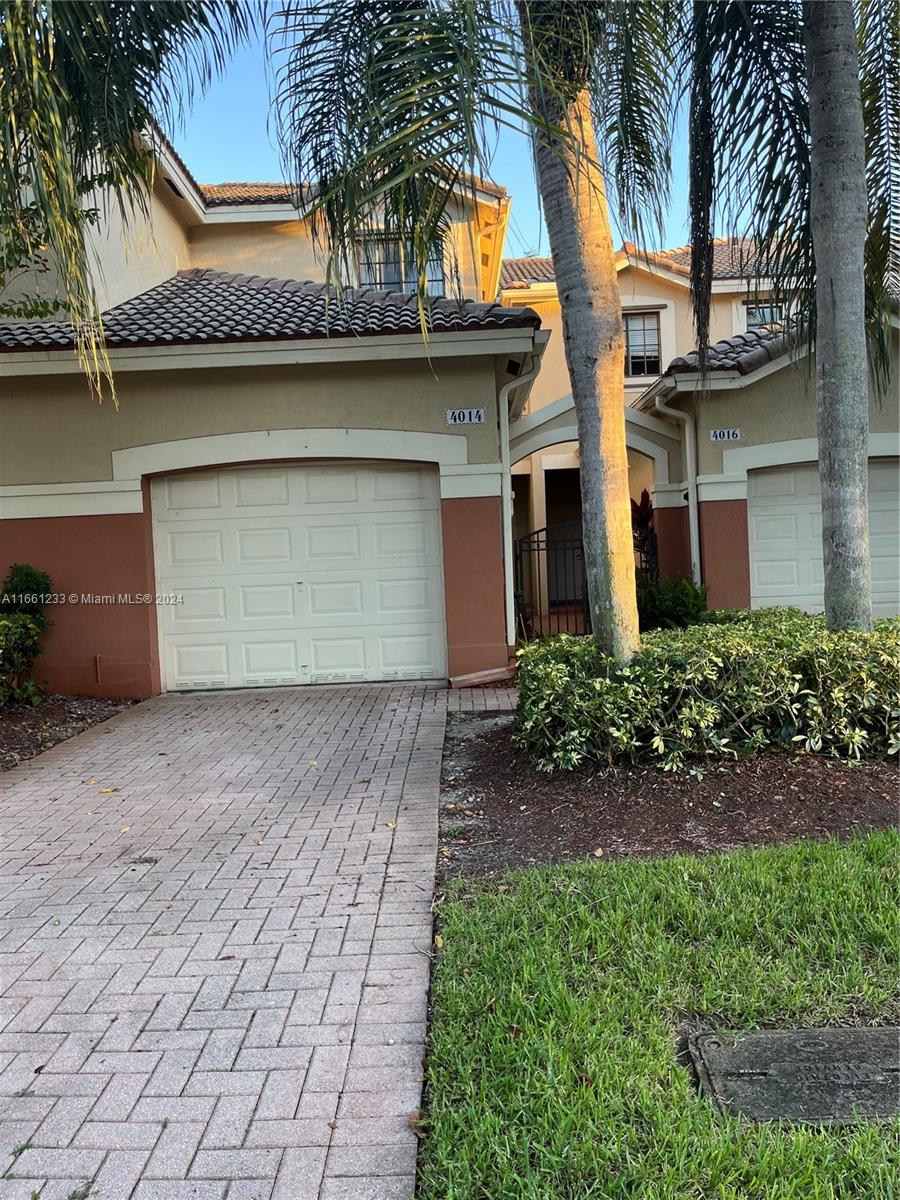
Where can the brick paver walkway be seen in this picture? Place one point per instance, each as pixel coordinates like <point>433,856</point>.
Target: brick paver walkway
<point>215,929</point>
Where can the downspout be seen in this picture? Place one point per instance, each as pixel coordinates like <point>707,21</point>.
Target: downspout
<point>534,366</point>
<point>690,449</point>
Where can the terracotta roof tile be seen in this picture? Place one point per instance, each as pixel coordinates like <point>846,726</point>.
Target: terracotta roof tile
<point>217,195</point>
<point>733,258</point>
<point>523,272</point>
<point>203,306</point>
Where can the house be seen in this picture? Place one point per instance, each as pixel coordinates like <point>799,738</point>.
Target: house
<point>290,490</point>
<point>730,462</point>
<point>293,490</point>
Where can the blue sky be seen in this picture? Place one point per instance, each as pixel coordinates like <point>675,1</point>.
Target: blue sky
<point>227,137</point>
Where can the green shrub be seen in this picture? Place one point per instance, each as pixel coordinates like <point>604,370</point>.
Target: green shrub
<point>735,683</point>
<point>23,591</point>
<point>669,603</point>
<point>20,644</point>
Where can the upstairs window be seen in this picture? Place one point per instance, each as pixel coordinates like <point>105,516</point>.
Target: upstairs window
<point>642,343</point>
<point>390,265</point>
<point>764,314</point>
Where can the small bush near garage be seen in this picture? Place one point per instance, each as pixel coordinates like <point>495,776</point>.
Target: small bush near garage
<point>24,590</point>
<point>669,603</point>
<point>20,644</point>
<point>737,683</point>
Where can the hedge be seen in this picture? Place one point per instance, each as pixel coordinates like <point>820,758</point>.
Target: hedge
<point>20,644</point>
<point>737,683</point>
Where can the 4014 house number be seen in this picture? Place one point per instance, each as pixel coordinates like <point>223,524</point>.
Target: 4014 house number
<point>725,435</point>
<point>465,416</point>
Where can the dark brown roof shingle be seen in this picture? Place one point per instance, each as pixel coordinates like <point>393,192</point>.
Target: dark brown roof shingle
<point>745,352</point>
<point>202,306</point>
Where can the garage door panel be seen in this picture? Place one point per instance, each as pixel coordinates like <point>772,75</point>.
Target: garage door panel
<point>336,598</point>
<point>267,601</point>
<point>774,527</point>
<point>302,574</point>
<point>207,606</point>
<point>257,489</point>
<point>788,569</point>
<point>263,545</point>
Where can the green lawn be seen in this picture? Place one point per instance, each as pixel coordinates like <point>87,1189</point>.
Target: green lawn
<point>560,998</point>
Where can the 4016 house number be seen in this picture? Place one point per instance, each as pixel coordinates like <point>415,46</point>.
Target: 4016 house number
<point>465,416</point>
<point>724,435</point>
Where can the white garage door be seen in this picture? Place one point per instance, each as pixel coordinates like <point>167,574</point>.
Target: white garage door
<point>785,516</point>
<point>300,574</point>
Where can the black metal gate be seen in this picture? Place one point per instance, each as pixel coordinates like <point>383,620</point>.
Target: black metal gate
<point>551,592</point>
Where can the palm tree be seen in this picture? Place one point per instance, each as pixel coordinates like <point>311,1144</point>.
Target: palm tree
<point>84,86</point>
<point>795,135</point>
<point>388,107</point>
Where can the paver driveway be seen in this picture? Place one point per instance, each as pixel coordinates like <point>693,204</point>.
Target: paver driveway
<point>214,933</point>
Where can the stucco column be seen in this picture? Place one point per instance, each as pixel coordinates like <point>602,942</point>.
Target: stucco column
<point>472,530</point>
<point>725,552</point>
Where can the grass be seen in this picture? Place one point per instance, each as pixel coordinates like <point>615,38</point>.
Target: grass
<point>560,999</point>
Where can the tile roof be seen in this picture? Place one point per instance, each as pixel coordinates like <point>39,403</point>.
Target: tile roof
<point>733,258</point>
<point>745,352</point>
<point>202,306</point>
<point>218,195</point>
<point>523,272</point>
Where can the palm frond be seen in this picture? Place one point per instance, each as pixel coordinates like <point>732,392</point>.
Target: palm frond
<point>749,161</point>
<point>878,33</point>
<point>388,114</point>
<point>632,86</point>
<point>83,84</point>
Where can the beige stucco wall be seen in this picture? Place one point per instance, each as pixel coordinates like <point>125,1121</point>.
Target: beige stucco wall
<point>123,262</point>
<point>53,431</point>
<point>636,288</point>
<point>286,249</point>
<point>127,263</point>
<point>779,407</point>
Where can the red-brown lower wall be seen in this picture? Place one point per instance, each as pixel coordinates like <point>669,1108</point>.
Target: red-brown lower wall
<point>725,551</point>
<point>94,649</point>
<point>474,585</point>
<point>673,542</point>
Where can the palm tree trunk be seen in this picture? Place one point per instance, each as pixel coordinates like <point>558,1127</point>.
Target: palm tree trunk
<point>584,263</point>
<point>838,218</point>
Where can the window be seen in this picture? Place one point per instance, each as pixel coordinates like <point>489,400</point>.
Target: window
<point>642,343</point>
<point>390,264</point>
<point>764,314</point>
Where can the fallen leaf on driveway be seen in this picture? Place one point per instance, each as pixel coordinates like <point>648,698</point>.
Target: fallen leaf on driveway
<point>414,1119</point>
<point>313,762</point>
<point>392,824</point>
<point>103,791</point>
<point>89,782</point>
<point>125,829</point>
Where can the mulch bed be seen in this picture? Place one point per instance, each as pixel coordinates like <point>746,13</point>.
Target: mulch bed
<point>26,731</point>
<point>497,812</point>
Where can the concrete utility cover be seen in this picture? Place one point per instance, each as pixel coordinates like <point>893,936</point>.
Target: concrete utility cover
<point>801,1075</point>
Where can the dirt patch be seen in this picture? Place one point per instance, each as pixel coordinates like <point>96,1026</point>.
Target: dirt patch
<point>27,731</point>
<point>498,812</point>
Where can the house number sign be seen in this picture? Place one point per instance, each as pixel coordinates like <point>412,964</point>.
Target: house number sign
<point>465,416</point>
<point>724,435</point>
